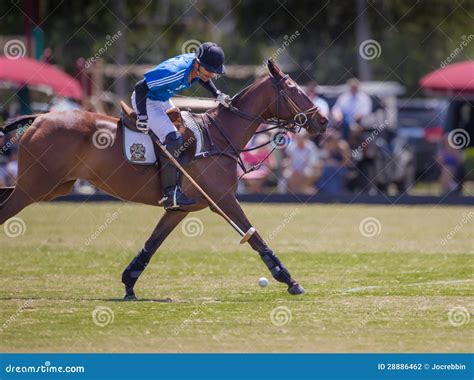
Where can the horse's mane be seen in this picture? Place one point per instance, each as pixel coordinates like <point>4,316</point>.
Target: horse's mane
<point>244,91</point>
<point>237,97</point>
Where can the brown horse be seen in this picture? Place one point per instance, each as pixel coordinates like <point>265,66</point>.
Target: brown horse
<point>55,150</point>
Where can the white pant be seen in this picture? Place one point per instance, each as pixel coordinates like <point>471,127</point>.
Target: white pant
<point>158,120</point>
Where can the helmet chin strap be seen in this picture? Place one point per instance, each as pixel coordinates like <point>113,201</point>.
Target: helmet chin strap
<point>216,76</point>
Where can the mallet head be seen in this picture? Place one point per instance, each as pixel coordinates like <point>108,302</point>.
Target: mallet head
<point>247,235</point>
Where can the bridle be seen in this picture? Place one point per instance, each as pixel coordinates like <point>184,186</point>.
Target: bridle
<point>299,120</point>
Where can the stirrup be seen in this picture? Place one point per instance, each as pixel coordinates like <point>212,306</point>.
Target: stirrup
<point>162,201</point>
<point>166,197</point>
<point>143,130</point>
<point>174,198</point>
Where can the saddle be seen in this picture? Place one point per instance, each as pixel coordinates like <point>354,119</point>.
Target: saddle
<point>182,120</point>
<point>129,117</point>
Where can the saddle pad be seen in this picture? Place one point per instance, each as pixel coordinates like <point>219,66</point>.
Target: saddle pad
<point>138,147</point>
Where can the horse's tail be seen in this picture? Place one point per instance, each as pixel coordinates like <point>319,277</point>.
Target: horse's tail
<point>16,123</point>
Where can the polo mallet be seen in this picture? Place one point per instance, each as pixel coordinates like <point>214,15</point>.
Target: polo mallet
<point>245,235</point>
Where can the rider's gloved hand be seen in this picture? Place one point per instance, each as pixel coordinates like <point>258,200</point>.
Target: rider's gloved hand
<point>224,99</point>
<point>142,122</point>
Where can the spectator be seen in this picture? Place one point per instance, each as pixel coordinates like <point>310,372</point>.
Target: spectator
<point>255,180</point>
<point>312,92</point>
<point>351,107</point>
<point>451,161</point>
<point>303,165</point>
<point>337,159</point>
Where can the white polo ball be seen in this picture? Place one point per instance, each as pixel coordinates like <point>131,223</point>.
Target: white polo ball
<point>262,281</point>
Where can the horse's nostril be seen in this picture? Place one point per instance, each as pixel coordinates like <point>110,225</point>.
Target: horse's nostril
<point>324,126</point>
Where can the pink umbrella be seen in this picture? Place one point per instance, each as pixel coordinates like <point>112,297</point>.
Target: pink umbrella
<point>457,78</point>
<point>27,71</point>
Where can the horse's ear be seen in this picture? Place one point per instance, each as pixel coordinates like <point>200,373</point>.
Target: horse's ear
<point>274,70</point>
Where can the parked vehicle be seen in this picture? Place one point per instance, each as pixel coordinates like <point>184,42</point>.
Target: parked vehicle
<point>421,122</point>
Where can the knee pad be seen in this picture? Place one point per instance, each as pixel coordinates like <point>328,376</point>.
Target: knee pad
<point>174,143</point>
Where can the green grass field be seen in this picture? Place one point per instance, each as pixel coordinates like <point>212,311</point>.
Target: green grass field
<point>405,289</point>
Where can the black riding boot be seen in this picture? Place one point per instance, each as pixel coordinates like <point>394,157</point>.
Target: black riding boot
<point>173,197</point>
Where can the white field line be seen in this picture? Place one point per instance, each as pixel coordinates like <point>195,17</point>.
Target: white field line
<point>444,282</point>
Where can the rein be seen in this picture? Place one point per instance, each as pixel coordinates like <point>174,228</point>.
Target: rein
<point>299,120</point>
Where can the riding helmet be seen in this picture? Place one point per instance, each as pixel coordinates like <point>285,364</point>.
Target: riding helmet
<point>211,57</point>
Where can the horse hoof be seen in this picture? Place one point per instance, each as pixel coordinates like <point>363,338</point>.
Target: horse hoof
<point>129,294</point>
<point>130,297</point>
<point>295,289</point>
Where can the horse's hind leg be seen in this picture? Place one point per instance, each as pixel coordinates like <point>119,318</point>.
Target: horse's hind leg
<point>16,202</point>
<point>130,275</point>
<point>40,177</point>
<point>5,192</point>
<point>20,198</point>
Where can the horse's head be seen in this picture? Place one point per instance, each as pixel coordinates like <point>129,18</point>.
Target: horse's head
<point>291,103</point>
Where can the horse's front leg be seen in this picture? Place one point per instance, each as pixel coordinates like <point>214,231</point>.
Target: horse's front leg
<point>230,205</point>
<point>167,223</point>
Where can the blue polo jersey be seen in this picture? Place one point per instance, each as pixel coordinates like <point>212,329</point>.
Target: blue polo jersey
<point>170,77</point>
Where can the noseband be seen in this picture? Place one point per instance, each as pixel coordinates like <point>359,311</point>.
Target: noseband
<point>299,120</point>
